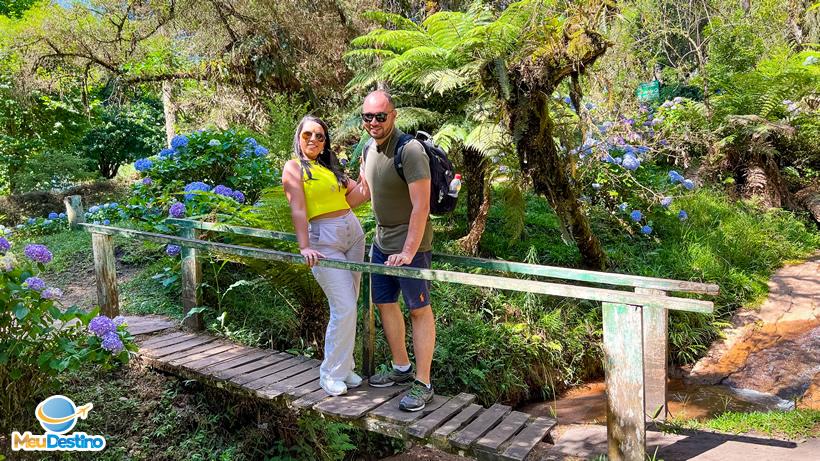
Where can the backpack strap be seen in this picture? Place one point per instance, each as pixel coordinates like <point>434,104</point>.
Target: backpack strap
<point>403,140</point>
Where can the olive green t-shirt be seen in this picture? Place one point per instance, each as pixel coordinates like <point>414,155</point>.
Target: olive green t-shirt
<point>390,195</point>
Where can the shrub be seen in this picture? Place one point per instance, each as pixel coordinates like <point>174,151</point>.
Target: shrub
<point>38,340</point>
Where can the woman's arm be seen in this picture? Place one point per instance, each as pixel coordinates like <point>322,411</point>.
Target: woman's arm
<point>295,193</point>
<point>357,192</point>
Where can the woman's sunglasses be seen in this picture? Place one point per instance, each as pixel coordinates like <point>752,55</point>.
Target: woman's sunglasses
<point>380,117</point>
<point>306,135</point>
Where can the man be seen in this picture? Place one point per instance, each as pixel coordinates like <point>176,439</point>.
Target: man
<point>404,237</point>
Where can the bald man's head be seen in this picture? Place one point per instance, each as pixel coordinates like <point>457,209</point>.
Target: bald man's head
<point>378,115</point>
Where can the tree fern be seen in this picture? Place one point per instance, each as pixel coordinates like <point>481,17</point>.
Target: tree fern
<point>390,19</point>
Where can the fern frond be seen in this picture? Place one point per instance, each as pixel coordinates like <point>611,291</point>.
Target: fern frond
<point>443,81</point>
<point>390,19</point>
<point>368,55</point>
<point>450,135</point>
<point>488,138</point>
<point>446,28</point>
<point>410,118</point>
<point>398,41</point>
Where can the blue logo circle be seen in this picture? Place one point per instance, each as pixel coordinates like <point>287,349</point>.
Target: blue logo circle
<point>57,414</point>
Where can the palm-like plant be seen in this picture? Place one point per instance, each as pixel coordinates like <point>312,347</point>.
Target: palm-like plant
<point>513,62</point>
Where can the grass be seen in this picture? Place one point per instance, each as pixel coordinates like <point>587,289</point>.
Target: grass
<point>795,424</point>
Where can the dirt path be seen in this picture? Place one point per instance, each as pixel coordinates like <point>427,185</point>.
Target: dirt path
<point>776,349</point>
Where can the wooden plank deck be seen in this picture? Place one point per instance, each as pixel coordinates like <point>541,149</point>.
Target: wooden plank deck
<point>454,424</point>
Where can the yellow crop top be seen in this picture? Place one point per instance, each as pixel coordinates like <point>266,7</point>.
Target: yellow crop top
<point>323,194</point>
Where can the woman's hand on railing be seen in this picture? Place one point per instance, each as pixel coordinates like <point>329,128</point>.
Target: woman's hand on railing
<point>311,256</point>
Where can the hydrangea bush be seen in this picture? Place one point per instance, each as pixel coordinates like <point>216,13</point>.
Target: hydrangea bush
<point>40,338</point>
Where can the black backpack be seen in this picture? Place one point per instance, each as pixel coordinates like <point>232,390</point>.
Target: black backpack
<point>441,171</point>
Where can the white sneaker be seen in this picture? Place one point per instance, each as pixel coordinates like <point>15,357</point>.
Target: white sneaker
<point>353,380</point>
<point>333,387</point>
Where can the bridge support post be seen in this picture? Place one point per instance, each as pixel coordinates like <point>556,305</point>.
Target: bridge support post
<point>368,326</point>
<point>623,365</point>
<point>191,280</point>
<point>105,271</point>
<point>655,351</point>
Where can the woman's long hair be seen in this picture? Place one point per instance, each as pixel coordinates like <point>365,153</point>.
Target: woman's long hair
<point>326,158</point>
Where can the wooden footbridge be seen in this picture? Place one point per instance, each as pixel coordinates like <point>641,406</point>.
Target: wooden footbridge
<point>635,319</point>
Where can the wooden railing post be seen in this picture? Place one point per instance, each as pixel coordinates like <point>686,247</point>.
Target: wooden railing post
<point>623,365</point>
<point>105,270</point>
<point>191,280</point>
<point>368,326</point>
<point>74,210</point>
<point>655,347</point>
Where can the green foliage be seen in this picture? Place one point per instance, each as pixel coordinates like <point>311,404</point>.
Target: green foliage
<point>122,134</point>
<point>40,340</point>
<point>285,112</point>
<point>794,424</point>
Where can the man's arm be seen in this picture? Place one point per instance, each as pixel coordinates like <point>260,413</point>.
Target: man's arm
<point>420,198</point>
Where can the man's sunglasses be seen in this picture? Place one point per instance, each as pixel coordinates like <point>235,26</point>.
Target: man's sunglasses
<point>306,135</point>
<point>380,117</point>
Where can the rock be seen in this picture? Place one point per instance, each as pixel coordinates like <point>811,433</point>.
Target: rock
<point>811,399</point>
<point>810,199</point>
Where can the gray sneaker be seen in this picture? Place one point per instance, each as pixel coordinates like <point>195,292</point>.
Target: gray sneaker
<point>388,376</point>
<point>418,397</point>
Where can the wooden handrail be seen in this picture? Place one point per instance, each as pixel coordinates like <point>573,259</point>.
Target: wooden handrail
<point>562,273</point>
<point>489,281</point>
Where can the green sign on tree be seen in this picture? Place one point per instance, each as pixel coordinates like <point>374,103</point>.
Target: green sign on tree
<point>648,91</point>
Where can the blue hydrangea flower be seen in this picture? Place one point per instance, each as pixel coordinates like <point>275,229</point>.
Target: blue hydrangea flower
<point>617,160</point>
<point>177,210</point>
<point>96,222</point>
<point>239,196</point>
<point>636,215</point>
<point>503,169</point>
<point>105,205</point>
<point>214,142</point>
<point>195,186</point>
<point>31,221</point>
<point>260,151</point>
<point>35,283</point>
<point>666,201</point>
<point>178,141</point>
<point>143,164</point>
<point>61,215</point>
<point>675,177</point>
<point>106,222</point>
<point>631,163</point>
<point>167,153</point>
<point>682,215</point>
<point>590,106</point>
<point>113,205</point>
<point>646,230</point>
<point>688,184</point>
<point>38,253</point>
<point>94,209</point>
<point>52,293</point>
<point>147,181</point>
<point>53,215</point>
<point>119,320</point>
<point>251,142</point>
<point>47,222</point>
<point>112,343</point>
<point>101,325</point>
<point>623,206</point>
<point>223,190</point>
<point>4,245</point>
<point>172,250</point>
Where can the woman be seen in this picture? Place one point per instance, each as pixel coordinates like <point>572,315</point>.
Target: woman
<point>321,198</point>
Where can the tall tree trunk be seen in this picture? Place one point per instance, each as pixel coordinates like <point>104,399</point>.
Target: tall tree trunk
<point>549,172</point>
<point>470,242</point>
<point>474,179</point>
<point>170,110</point>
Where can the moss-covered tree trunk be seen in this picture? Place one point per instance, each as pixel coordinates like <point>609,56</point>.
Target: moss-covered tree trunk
<point>474,179</point>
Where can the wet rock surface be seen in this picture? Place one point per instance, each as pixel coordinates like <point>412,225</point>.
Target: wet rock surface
<point>774,350</point>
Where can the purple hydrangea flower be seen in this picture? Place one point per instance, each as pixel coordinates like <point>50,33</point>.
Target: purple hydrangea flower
<point>636,215</point>
<point>666,201</point>
<point>143,164</point>
<point>239,196</point>
<point>52,293</point>
<point>35,283</point>
<point>147,181</point>
<point>260,151</point>
<point>38,253</point>
<point>195,186</point>
<point>53,215</point>
<point>4,245</point>
<point>119,320</point>
<point>179,141</point>
<point>223,190</point>
<point>112,343</point>
<point>682,215</point>
<point>617,160</point>
<point>101,325</point>
<point>631,163</point>
<point>172,250</point>
<point>646,230</point>
<point>177,210</point>
<point>688,184</point>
